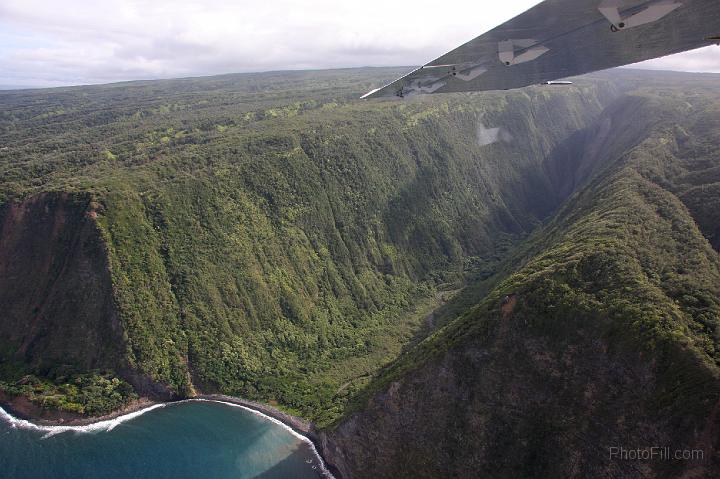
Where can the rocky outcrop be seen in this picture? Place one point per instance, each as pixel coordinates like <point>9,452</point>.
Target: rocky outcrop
<point>55,289</point>
<point>517,404</point>
<point>56,294</point>
<point>602,338</point>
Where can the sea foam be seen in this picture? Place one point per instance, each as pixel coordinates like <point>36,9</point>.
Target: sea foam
<point>106,425</point>
<point>323,468</point>
<point>110,424</point>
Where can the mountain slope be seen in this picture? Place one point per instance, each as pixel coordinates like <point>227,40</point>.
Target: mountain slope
<point>279,251</point>
<point>272,238</point>
<point>609,336</point>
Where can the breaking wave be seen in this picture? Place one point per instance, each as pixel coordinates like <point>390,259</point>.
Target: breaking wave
<point>106,425</point>
<point>110,424</point>
<point>323,468</point>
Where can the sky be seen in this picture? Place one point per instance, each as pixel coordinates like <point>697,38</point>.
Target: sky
<point>70,42</point>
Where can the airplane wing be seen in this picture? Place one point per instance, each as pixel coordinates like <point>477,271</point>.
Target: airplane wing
<point>563,38</point>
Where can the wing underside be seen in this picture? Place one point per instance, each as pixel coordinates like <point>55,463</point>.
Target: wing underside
<point>563,38</point>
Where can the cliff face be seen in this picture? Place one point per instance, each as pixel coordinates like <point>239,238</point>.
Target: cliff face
<point>55,287</point>
<point>603,334</point>
<point>517,400</point>
<point>274,250</point>
<point>520,405</point>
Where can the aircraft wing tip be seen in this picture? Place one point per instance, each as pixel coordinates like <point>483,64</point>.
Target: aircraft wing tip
<point>370,93</point>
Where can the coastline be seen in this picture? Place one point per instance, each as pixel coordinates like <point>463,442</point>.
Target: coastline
<point>22,409</point>
<point>299,425</point>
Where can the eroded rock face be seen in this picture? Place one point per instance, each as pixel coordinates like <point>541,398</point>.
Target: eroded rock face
<point>55,288</point>
<point>516,405</point>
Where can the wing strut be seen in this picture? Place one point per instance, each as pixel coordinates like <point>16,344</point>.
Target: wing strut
<point>657,10</point>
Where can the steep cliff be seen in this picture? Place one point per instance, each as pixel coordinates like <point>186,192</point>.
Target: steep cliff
<point>284,251</point>
<point>55,286</point>
<point>603,333</point>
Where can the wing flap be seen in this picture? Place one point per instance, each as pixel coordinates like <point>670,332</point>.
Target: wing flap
<point>563,38</point>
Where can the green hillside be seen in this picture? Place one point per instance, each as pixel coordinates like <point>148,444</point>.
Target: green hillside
<point>436,282</point>
<point>609,334</point>
<point>267,236</point>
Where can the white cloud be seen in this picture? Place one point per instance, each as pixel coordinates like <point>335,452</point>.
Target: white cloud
<point>44,42</point>
<point>701,60</point>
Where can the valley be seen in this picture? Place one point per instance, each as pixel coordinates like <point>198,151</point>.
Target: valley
<point>270,237</point>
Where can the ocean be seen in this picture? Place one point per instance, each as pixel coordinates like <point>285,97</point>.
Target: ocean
<point>189,439</point>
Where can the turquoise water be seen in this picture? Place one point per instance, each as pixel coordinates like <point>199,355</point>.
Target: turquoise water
<point>183,440</point>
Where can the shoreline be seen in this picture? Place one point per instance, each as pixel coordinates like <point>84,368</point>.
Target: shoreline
<point>21,408</point>
<point>41,417</point>
<point>297,424</point>
<point>33,414</point>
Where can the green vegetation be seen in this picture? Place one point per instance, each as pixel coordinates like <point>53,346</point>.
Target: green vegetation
<point>268,236</point>
<point>93,393</point>
<point>624,261</point>
<point>612,333</point>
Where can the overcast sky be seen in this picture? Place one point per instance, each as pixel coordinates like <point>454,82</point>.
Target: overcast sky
<point>70,42</point>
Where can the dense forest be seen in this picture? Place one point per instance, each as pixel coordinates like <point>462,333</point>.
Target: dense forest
<point>601,329</point>
<point>267,236</point>
<point>270,236</point>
